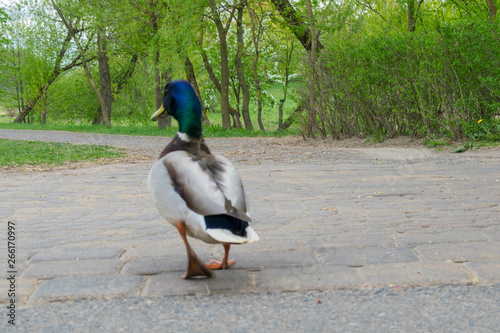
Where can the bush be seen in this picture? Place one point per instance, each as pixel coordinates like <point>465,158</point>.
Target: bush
<point>417,84</point>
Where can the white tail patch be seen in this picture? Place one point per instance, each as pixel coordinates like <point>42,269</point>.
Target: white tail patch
<point>226,236</point>
<point>251,235</point>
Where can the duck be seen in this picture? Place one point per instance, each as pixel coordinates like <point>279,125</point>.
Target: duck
<point>199,193</point>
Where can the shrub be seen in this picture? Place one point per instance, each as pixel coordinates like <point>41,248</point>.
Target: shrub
<point>417,84</point>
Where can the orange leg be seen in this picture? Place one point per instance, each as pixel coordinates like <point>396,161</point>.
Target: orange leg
<point>225,264</point>
<point>194,267</point>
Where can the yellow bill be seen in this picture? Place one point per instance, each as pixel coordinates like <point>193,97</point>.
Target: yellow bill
<point>158,113</point>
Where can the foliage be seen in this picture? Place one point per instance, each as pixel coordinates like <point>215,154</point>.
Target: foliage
<point>3,47</point>
<point>14,152</point>
<point>483,130</point>
<point>418,84</point>
<point>382,68</point>
<point>214,131</point>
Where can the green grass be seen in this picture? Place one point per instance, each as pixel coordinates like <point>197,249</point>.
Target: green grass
<point>14,152</point>
<point>129,127</point>
<point>152,130</point>
<point>6,119</point>
<point>435,143</point>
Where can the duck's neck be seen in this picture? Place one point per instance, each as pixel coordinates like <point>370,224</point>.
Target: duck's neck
<point>182,141</point>
<point>190,126</point>
<point>193,132</point>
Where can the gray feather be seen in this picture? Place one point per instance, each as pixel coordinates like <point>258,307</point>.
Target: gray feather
<point>209,185</point>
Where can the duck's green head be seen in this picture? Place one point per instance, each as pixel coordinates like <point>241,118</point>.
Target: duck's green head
<point>181,102</point>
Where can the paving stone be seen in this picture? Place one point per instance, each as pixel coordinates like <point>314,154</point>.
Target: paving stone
<point>150,266</point>
<point>268,244</point>
<point>493,234</point>
<point>273,259</point>
<point>315,218</point>
<point>350,240</point>
<point>84,287</point>
<point>413,274</point>
<point>293,279</point>
<point>23,289</point>
<point>51,269</point>
<point>487,271</point>
<point>364,256</point>
<point>77,253</point>
<point>414,238</point>
<point>155,251</point>
<point>459,252</point>
<point>231,280</point>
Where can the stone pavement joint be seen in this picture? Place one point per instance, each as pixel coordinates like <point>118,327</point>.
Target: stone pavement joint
<point>328,218</point>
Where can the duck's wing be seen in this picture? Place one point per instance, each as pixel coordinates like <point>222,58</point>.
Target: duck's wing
<point>229,182</point>
<point>209,185</point>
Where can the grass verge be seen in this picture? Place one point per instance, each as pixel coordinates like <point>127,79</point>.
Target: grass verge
<point>214,131</point>
<point>15,153</point>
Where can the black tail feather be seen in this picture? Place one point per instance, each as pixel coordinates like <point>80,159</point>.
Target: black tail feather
<point>233,224</point>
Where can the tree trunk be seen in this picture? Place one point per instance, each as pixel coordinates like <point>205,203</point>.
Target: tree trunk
<point>31,104</point>
<point>104,76</point>
<point>162,122</point>
<point>158,92</point>
<point>215,80</point>
<point>255,39</point>
<point>239,69</point>
<point>291,119</point>
<point>280,113</point>
<point>120,83</point>
<point>105,117</point>
<point>312,121</point>
<point>125,76</point>
<point>154,18</point>
<point>297,25</point>
<point>188,65</point>
<point>282,102</point>
<point>492,9</point>
<point>207,64</point>
<point>288,61</point>
<point>224,63</point>
<point>43,114</point>
<point>224,91</point>
<point>411,15</point>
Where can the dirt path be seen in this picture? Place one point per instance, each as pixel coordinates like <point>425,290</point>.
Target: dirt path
<point>294,150</point>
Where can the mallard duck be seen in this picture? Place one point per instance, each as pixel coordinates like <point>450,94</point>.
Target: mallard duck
<point>201,194</point>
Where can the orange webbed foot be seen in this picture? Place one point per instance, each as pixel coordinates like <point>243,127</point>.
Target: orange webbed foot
<point>195,267</point>
<point>214,264</point>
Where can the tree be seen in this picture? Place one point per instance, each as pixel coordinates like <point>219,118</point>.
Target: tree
<point>257,29</point>
<point>3,45</point>
<point>178,38</point>
<point>233,113</point>
<point>104,76</point>
<point>73,31</point>
<point>155,13</point>
<point>492,9</point>
<point>239,68</point>
<point>55,48</point>
<point>413,13</point>
<point>222,30</point>
<point>312,79</point>
<point>109,27</point>
<point>191,77</point>
<point>296,24</point>
<point>286,68</point>
<point>3,41</point>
